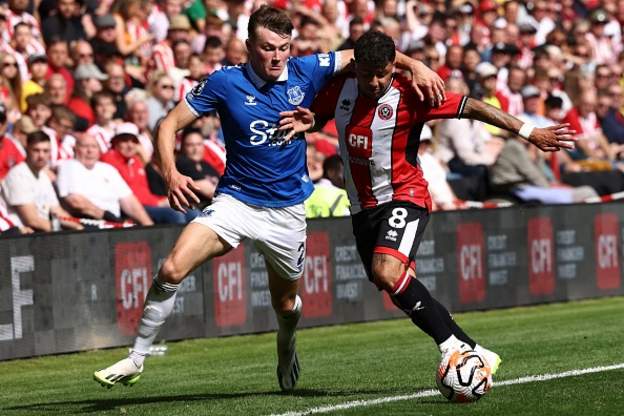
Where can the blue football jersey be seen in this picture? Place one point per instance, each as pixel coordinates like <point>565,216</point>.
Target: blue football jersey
<point>261,170</point>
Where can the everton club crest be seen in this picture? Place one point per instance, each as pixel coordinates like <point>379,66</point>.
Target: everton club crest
<point>295,95</point>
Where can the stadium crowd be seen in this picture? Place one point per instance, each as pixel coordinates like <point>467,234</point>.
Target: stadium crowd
<point>83,84</point>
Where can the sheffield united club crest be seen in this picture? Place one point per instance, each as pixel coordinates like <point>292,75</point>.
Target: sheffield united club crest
<point>385,112</point>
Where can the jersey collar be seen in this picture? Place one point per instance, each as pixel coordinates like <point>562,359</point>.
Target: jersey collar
<point>259,82</point>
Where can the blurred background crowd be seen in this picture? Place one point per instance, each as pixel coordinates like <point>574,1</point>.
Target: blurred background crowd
<point>83,84</point>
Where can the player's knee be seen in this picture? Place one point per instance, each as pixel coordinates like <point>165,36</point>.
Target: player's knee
<point>385,277</point>
<point>283,304</point>
<point>171,272</point>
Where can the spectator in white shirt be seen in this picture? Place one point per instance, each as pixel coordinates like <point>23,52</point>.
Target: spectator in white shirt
<point>28,191</point>
<point>94,189</point>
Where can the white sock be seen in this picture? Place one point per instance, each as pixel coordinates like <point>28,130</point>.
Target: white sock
<point>288,323</point>
<point>449,343</point>
<point>158,306</point>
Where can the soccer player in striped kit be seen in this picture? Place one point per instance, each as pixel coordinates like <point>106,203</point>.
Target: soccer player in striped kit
<point>379,121</point>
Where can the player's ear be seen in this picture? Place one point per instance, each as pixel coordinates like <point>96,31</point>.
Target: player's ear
<point>248,44</point>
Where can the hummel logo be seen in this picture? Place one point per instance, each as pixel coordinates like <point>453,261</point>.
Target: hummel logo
<point>391,235</point>
<point>345,104</point>
<point>251,100</point>
<point>207,212</point>
<point>418,307</point>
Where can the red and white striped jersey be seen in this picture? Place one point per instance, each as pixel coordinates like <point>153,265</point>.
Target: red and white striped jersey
<point>59,150</point>
<point>379,139</point>
<point>103,135</point>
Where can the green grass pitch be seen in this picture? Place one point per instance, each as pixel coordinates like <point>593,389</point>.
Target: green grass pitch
<point>340,364</point>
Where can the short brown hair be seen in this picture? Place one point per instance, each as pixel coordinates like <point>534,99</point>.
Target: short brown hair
<point>273,19</point>
<point>60,112</point>
<point>34,100</point>
<point>36,137</point>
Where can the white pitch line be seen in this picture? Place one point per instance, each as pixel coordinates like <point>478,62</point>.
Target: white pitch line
<point>431,393</point>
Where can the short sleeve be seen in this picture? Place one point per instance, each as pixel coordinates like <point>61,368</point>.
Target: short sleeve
<point>453,107</point>
<point>320,68</point>
<point>204,97</point>
<point>65,181</point>
<point>18,190</point>
<point>119,186</point>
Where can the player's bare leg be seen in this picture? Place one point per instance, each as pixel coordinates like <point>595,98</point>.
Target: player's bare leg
<point>427,313</point>
<point>287,305</point>
<point>196,244</point>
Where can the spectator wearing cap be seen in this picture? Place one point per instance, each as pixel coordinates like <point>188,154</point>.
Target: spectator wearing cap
<point>58,61</point>
<point>124,157</point>
<point>605,49</point>
<point>532,102</point>
<point>104,42</point>
<point>162,56</point>
<point>28,191</point>
<point>39,109</point>
<point>60,131</point>
<point>94,189</point>
<point>105,122</point>
<point>64,22</point>
<point>160,100</point>
<point>526,44</point>
<point>88,82</point>
<point>329,198</point>
<point>38,66</point>
<point>10,154</point>
<point>488,82</point>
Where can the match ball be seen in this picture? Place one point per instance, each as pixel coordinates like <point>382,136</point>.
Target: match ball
<point>463,376</point>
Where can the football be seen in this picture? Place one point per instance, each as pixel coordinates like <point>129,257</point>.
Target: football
<point>463,376</point>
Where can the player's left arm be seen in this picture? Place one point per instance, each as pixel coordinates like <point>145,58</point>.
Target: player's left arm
<point>548,139</point>
<point>425,82</point>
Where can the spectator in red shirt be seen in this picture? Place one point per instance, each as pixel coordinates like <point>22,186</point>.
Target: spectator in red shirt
<point>9,152</point>
<point>58,54</point>
<point>124,157</point>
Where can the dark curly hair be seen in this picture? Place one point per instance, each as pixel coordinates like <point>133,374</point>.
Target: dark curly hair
<point>374,49</point>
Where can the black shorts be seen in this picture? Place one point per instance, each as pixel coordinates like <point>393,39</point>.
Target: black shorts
<point>394,228</point>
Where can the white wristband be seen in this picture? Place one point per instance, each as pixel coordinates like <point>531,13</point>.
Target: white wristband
<point>525,130</point>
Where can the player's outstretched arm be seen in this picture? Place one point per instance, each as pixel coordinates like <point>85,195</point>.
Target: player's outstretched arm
<point>181,189</point>
<point>549,139</point>
<point>426,83</point>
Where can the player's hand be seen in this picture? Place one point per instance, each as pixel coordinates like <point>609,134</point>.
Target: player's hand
<point>297,121</point>
<point>427,84</point>
<point>182,191</point>
<point>553,138</point>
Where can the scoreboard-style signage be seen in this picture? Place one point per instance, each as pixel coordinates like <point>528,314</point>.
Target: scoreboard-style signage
<point>75,291</point>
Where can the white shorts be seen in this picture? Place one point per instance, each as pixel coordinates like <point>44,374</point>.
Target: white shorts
<point>278,233</point>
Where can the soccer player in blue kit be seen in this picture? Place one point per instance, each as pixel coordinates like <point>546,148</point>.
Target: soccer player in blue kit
<point>261,193</point>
